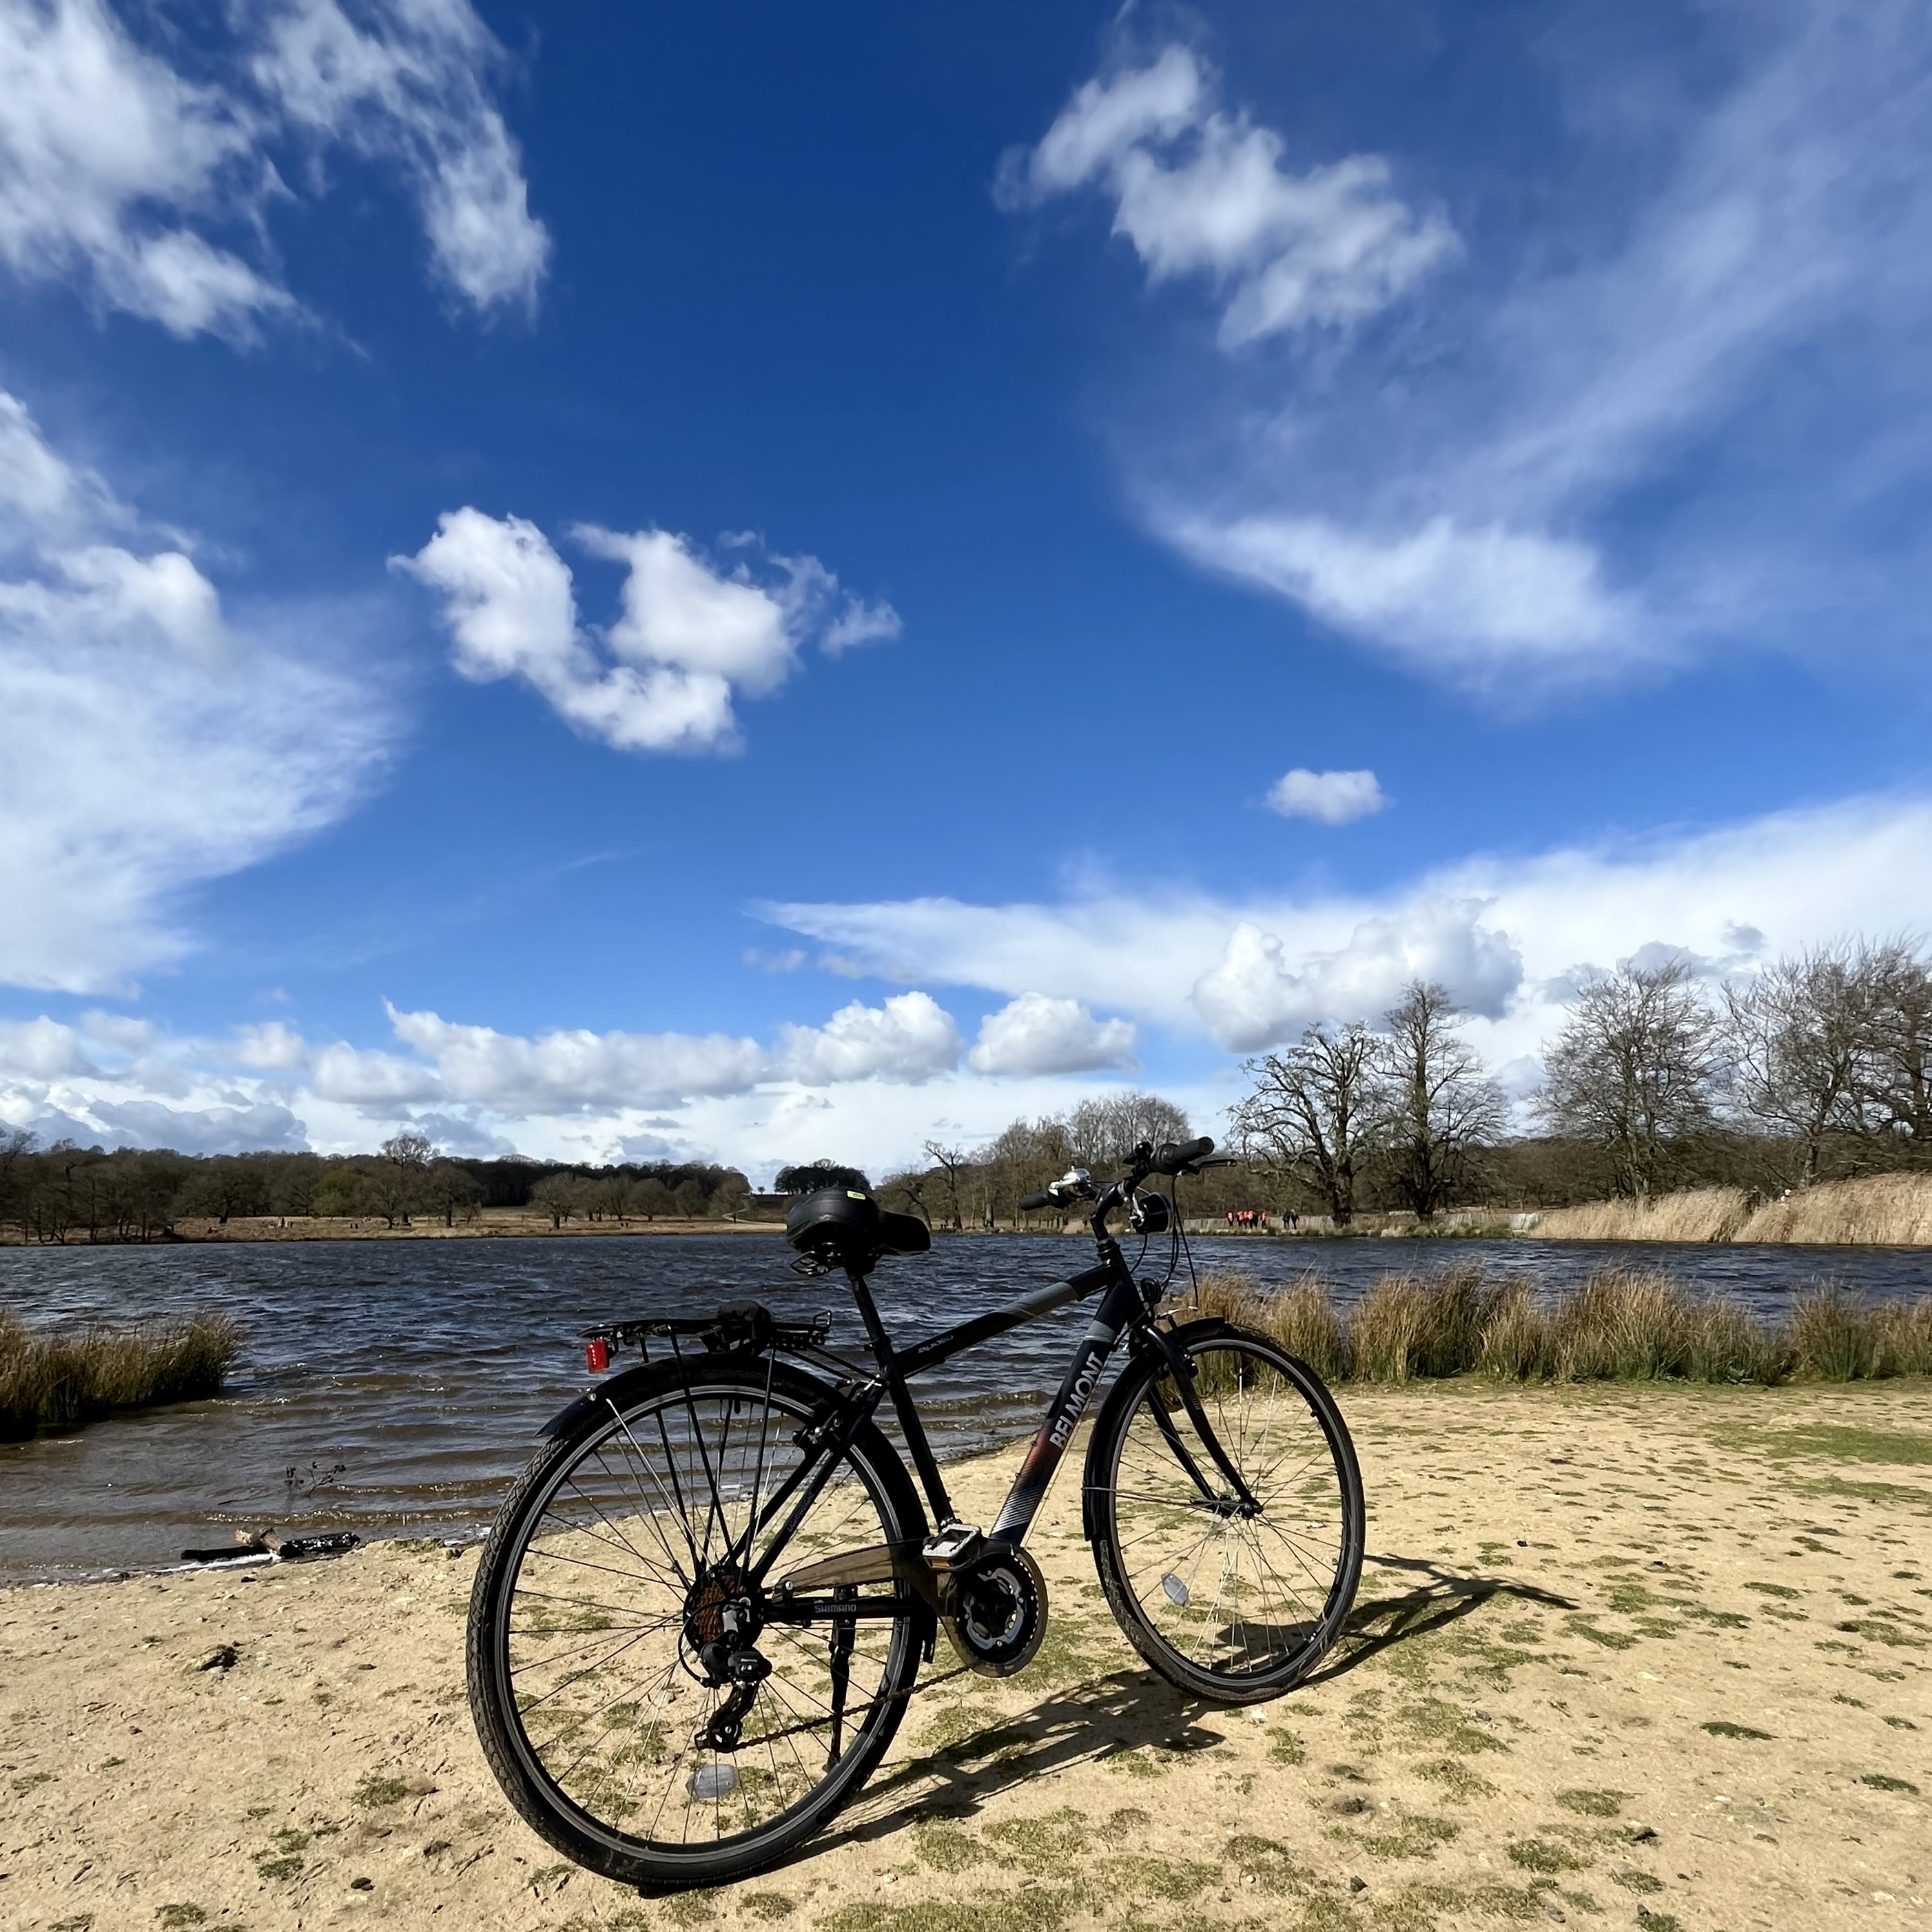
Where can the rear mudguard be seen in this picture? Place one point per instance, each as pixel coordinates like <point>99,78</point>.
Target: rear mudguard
<point>617,1391</point>
<point>1117,1398</point>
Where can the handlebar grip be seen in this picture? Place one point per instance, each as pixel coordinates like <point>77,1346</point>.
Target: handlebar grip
<point>1029,1202</point>
<point>1170,1156</point>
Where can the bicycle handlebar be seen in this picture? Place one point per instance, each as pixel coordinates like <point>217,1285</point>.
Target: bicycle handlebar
<point>1031,1203</point>
<point>1175,1156</point>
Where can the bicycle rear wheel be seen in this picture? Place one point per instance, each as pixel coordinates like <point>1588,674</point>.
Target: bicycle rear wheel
<point>608,1571</point>
<point>1228,1601</point>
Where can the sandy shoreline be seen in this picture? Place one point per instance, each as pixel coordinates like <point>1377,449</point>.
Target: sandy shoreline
<point>1659,1657</point>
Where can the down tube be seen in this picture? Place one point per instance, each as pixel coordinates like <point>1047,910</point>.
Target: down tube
<point>1062,1416</point>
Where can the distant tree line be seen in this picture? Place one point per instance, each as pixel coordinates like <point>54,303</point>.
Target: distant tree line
<point>1817,1067</point>
<point>66,1193</point>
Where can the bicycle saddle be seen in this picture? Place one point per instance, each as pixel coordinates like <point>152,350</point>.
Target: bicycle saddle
<point>849,1229</point>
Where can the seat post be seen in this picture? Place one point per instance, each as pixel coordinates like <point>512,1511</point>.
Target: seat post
<point>911,1427</point>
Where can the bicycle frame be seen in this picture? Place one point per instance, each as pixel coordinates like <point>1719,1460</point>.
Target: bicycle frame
<point>1123,1304</point>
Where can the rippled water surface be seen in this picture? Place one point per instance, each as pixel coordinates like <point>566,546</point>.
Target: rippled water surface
<point>396,1387</point>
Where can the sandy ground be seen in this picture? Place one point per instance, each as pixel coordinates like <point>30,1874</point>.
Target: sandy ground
<point>1659,1657</point>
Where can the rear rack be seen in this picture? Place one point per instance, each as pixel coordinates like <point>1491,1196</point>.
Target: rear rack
<point>743,1328</point>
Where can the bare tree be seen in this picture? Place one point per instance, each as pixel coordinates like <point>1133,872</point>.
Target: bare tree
<point>1104,1130</point>
<point>1315,1111</point>
<point>453,1188</point>
<point>1897,1082</point>
<point>1800,1037</point>
<point>1636,1071</point>
<point>556,1195</point>
<point>1440,1101</point>
<point>952,1163</point>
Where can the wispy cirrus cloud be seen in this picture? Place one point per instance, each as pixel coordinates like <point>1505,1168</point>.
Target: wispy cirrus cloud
<point>1600,446</point>
<point>146,743</point>
<point>151,190</point>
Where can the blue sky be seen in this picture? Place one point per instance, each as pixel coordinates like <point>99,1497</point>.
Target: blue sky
<point>767,583</point>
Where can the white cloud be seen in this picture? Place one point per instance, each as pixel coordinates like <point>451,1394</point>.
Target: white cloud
<point>1035,1034</point>
<point>408,88</point>
<point>1198,191</point>
<point>1717,303</point>
<point>113,164</point>
<point>1499,931</point>
<point>145,745</point>
<point>689,637</point>
<point>908,1040</point>
<point>1331,798</point>
<point>1251,997</point>
<point>41,1049</point>
<point>1446,596</point>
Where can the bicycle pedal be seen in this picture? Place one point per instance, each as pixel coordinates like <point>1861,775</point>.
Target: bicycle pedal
<point>955,1544</point>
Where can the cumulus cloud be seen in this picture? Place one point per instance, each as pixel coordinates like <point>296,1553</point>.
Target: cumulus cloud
<point>908,1040</point>
<point>1251,997</point>
<point>1200,191</point>
<point>1036,1034</point>
<point>1331,798</point>
<point>117,171</point>
<point>145,744</point>
<point>692,634</point>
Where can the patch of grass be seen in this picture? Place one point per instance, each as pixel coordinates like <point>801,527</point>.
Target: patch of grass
<point>61,1380</point>
<point>1593,1803</point>
<point>172,1916</point>
<point>946,1848</point>
<point>1592,1632</point>
<point>1056,1835</point>
<point>1722,1727</point>
<point>1455,1777</point>
<point>768,1905</point>
<point>1284,1746</point>
<point>1539,1855</point>
<point>1880,1781</point>
<point>1414,1837</point>
<point>1440,1722</point>
<point>375,1790</point>
<point>1126,1823</point>
<point>283,1871</point>
<point>1657,1921</point>
<point>1265,1861</point>
<point>1631,1879</point>
<point>1173,1879</point>
<point>1777,1590</point>
<point>1037,1909</point>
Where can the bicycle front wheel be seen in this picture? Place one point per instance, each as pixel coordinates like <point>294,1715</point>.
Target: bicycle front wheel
<point>1231,1599</point>
<point>626,1552</point>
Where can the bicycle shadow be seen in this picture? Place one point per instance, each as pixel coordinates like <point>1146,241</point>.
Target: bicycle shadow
<point>1124,1712</point>
<point>1132,1711</point>
<point>1447,1597</point>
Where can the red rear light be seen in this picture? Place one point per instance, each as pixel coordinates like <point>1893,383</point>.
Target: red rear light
<point>597,1356</point>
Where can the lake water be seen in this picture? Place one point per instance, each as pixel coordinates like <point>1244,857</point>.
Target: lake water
<point>396,1387</point>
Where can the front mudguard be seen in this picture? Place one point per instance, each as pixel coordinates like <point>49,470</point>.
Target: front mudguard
<point>1121,1393</point>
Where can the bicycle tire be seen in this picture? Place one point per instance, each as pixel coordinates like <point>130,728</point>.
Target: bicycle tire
<point>1261,1632</point>
<point>569,1810</point>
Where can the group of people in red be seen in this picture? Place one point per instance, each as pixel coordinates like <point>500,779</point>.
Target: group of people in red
<point>1252,1219</point>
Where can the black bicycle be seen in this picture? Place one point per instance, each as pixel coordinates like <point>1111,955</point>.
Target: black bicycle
<point>701,1612</point>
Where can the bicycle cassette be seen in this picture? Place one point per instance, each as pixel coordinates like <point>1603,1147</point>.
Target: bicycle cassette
<point>996,1613</point>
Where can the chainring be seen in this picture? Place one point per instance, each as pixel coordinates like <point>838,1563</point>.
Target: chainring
<point>996,1613</point>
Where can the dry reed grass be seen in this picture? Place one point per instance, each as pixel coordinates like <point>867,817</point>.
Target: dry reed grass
<point>52,1381</point>
<point>1621,1325</point>
<point>1698,1214</point>
<point>1882,1210</point>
